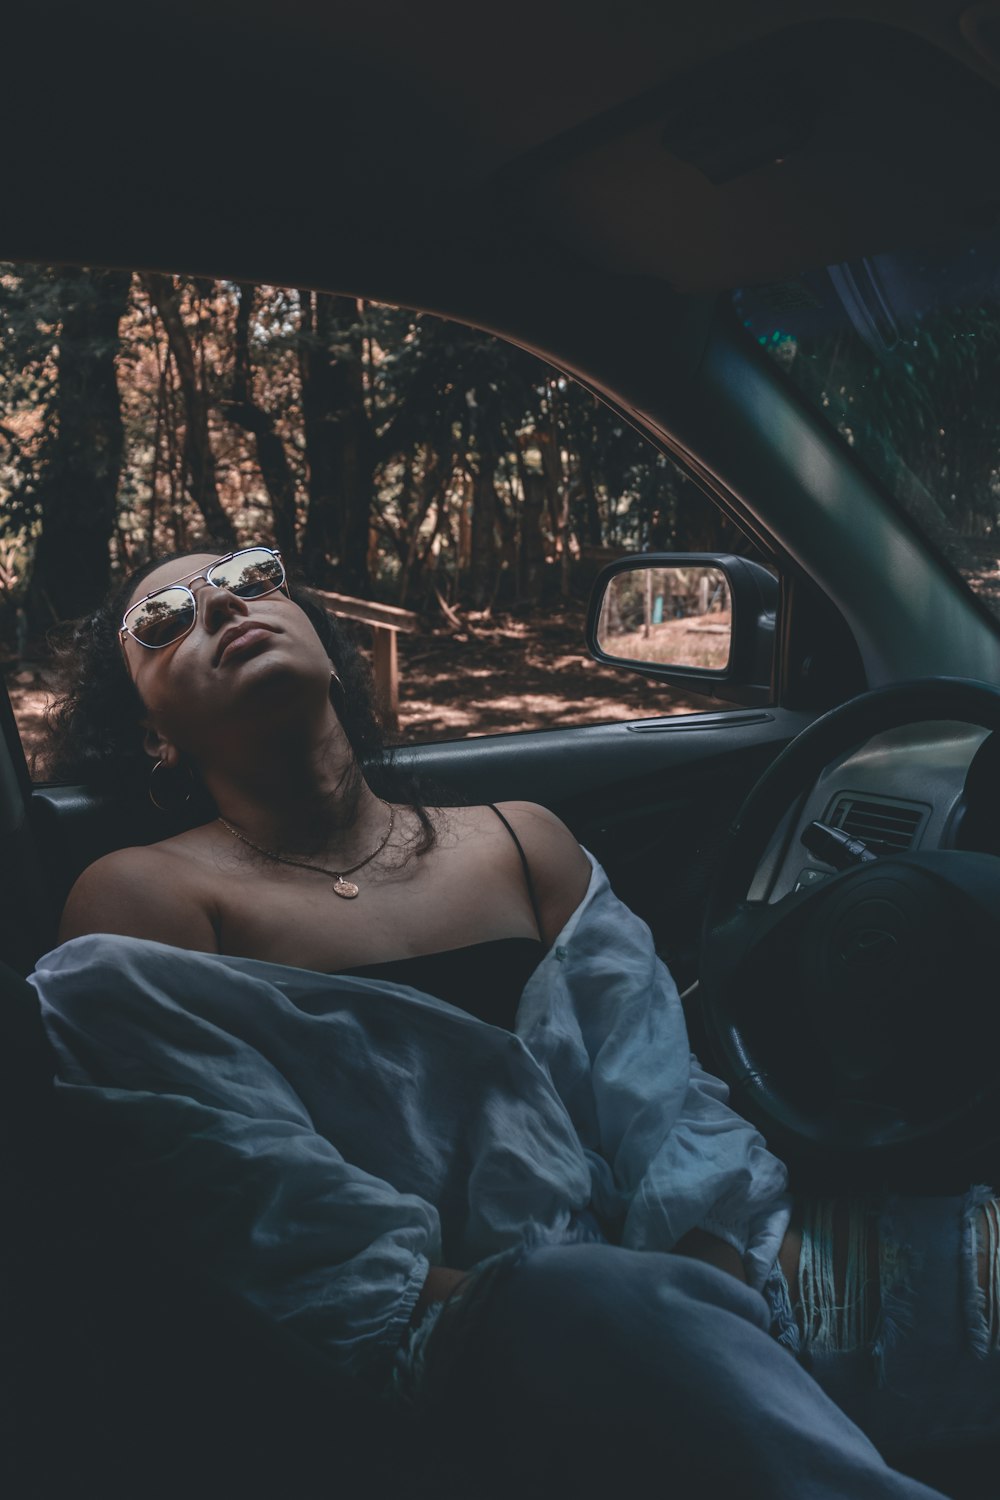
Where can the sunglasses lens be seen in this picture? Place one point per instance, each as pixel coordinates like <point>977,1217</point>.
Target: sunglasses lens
<point>171,612</point>
<point>162,619</point>
<point>249,574</point>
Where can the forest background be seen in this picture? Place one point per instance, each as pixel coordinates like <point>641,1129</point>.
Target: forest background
<point>399,458</point>
<point>389,456</point>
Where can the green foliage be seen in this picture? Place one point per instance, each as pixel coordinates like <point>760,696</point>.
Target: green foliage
<point>29,323</point>
<point>482,472</point>
<point>925,413</point>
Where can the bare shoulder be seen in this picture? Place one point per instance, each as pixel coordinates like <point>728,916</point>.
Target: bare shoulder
<point>560,870</point>
<point>150,891</point>
<point>545,836</point>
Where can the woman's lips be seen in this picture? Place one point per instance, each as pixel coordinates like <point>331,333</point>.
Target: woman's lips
<point>244,640</point>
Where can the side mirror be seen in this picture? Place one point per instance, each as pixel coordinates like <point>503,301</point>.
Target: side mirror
<point>704,621</point>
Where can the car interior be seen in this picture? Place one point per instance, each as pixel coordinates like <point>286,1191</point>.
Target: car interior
<point>642,197</point>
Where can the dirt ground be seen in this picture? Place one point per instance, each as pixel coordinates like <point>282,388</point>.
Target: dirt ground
<point>697,641</point>
<point>519,672</point>
<point>495,676</point>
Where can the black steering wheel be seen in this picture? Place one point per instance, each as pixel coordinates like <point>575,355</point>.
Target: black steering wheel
<point>860,1015</point>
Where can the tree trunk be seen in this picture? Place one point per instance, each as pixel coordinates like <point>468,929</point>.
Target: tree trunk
<point>558,495</point>
<point>532,570</point>
<point>700,525</point>
<point>199,460</point>
<point>592,510</point>
<point>464,539</point>
<point>340,445</point>
<point>433,482</point>
<point>82,463</point>
<point>483,550</point>
<point>276,471</point>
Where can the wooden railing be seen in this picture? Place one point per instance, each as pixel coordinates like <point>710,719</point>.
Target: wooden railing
<point>386,621</point>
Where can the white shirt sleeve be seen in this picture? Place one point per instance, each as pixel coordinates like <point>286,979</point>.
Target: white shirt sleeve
<point>218,1152</point>
<point>667,1154</point>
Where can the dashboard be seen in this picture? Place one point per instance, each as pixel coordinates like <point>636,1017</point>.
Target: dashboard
<point>923,786</point>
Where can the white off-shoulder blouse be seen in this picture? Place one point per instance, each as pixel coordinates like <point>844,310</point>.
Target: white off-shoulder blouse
<point>317,1141</point>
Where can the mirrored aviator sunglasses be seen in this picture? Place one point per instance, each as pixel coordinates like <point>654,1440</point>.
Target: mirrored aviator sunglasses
<point>168,614</point>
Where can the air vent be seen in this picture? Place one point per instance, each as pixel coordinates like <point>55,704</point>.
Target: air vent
<point>885,826</point>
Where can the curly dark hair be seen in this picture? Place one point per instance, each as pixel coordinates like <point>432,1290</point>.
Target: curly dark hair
<point>96,736</point>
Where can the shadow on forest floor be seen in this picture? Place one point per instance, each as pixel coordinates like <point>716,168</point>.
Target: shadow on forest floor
<point>501,674</point>
<point>517,672</point>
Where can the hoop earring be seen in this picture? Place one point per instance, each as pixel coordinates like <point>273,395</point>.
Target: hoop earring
<point>178,802</point>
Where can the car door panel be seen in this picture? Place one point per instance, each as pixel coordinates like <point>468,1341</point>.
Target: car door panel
<point>651,799</point>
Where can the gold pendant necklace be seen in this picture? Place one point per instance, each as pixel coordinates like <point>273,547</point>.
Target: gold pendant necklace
<point>342,887</point>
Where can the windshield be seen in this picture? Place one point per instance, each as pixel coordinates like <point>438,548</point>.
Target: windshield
<point>901,354</point>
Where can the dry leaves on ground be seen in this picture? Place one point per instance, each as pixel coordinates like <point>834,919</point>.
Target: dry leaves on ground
<point>498,676</point>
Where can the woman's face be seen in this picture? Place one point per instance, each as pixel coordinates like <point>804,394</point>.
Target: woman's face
<point>243,660</point>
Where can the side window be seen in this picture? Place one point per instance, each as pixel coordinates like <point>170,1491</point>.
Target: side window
<point>453,495</point>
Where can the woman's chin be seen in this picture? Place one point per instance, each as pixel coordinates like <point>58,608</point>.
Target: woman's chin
<point>269,678</point>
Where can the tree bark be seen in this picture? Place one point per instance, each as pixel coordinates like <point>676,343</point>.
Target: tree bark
<point>558,496</point>
<point>79,481</point>
<point>463,540</point>
<point>532,570</point>
<point>592,509</point>
<point>433,481</point>
<point>699,524</point>
<point>276,471</point>
<point>340,445</point>
<point>199,460</point>
<point>483,559</point>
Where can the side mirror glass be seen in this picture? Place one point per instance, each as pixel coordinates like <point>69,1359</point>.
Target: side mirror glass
<point>700,621</point>
<point>670,615</point>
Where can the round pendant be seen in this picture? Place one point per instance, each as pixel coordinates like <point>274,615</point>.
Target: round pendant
<point>345,888</point>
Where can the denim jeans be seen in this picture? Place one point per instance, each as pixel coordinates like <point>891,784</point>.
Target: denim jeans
<point>589,1370</point>
<point>925,1370</point>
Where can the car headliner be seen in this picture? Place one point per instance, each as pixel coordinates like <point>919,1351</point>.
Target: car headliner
<point>466,159</point>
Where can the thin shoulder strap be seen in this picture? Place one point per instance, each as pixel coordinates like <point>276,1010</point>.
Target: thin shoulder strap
<point>525,866</point>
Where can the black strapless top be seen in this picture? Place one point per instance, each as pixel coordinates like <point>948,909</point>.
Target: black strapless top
<point>483,979</point>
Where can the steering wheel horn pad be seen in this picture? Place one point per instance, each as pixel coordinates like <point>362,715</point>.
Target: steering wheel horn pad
<point>851,1014</point>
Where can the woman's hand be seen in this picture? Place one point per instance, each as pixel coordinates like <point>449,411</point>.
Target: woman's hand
<point>440,1283</point>
<point>700,1245</point>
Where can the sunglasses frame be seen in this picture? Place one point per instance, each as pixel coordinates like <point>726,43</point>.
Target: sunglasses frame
<point>182,583</point>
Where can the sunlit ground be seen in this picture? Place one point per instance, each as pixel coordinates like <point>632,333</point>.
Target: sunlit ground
<point>694,641</point>
<point>29,697</point>
<point>496,676</point>
<point>513,674</point>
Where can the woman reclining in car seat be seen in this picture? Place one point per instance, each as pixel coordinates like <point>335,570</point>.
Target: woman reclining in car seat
<point>413,1081</point>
